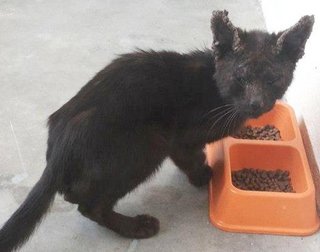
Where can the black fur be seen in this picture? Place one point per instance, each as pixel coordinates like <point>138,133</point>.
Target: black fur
<point>145,106</point>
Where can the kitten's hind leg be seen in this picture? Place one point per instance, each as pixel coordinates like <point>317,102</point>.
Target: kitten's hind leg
<point>191,160</point>
<point>114,174</point>
<point>138,227</point>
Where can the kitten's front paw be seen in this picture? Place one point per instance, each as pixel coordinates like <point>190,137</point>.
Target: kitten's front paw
<point>201,177</point>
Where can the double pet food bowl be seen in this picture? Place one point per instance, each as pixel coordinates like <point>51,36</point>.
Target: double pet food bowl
<point>237,210</point>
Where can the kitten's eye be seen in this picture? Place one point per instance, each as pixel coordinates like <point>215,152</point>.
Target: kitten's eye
<point>243,82</point>
<point>272,81</point>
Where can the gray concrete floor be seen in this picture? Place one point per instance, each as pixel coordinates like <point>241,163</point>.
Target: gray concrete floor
<point>48,51</point>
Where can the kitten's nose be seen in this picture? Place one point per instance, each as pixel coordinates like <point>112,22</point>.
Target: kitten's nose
<point>255,105</point>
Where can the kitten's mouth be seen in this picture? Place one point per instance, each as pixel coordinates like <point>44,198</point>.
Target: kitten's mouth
<point>254,114</point>
<point>257,113</point>
<point>249,114</point>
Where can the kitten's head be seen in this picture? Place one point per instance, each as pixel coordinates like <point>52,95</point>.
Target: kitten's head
<point>255,68</point>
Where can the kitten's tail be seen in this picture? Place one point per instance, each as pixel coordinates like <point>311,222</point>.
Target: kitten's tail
<point>23,222</point>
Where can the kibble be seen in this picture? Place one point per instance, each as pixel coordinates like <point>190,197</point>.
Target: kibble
<point>267,132</point>
<point>262,180</point>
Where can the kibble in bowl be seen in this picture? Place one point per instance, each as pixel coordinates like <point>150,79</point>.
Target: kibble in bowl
<point>262,180</point>
<point>267,132</point>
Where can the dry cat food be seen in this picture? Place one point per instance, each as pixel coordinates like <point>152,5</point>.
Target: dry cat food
<point>262,180</point>
<point>267,132</point>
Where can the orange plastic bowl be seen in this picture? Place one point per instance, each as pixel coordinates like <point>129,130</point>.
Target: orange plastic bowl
<point>237,210</point>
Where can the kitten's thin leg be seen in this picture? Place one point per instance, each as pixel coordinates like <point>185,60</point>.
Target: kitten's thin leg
<point>138,227</point>
<point>191,160</point>
<point>101,198</point>
<point>116,172</point>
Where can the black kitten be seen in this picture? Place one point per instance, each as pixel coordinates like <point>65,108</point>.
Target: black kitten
<point>146,106</point>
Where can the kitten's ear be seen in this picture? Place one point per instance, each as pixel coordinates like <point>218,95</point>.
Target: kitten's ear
<point>226,37</point>
<point>292,41</point>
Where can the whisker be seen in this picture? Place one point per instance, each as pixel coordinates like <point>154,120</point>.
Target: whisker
<point>231,121</point>
<point>215,122</point>
<point>225,108</point>
<point>228,111</point>
<point>217,108</point>
<point>236,120</point>
<point>219,113</point>
<point>225,125</point>
<point>231,126</point>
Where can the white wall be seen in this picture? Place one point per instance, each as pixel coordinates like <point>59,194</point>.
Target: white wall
<point>304,93</point>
